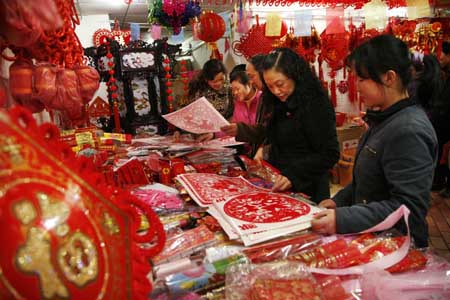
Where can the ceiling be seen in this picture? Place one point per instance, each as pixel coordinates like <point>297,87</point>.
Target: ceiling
<point>136,12</point>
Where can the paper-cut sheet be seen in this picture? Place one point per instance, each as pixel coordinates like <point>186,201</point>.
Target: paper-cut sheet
<point>198,117</point>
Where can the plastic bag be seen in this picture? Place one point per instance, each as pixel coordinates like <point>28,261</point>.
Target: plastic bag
<point>68,97</point>
<point>88,78</point>
<point>21,85</point>
<point>281,280</point>
<point>423,285</point>
<point>45,83</point>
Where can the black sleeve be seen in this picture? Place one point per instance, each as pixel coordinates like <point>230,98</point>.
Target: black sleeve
<point>318,121</point>
<point>254,134</point>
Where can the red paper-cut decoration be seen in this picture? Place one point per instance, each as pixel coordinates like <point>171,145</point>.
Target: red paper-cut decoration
<point>57,210</point>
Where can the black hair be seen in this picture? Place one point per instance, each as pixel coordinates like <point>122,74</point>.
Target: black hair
<point>308,88</point>
<point>240,76</point>
<point>429,83</point>
<point>210,70</point>
<point>240,67</point>
<point>257,61</point>
<point>446,47</point>
<point>379,55</point>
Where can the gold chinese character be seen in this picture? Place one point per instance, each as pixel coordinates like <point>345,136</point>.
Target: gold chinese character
<point>25,212</point>
<point>78,259</point>
<point>34,257</point>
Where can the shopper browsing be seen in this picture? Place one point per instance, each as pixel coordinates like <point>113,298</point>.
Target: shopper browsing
<point>395,158</point>
<point>301,130</point>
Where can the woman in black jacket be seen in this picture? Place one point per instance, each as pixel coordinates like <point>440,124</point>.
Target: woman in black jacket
<point>301,132</point>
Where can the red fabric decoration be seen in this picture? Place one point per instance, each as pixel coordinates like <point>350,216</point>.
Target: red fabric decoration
<point>56,210</point>
<point>333,91</point>
<point>212,27</point>
<point>21,85</point>
<point>253,42</point>
<point>89,81</point>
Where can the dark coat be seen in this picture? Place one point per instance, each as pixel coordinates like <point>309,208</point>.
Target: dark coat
<point>394,165</point>
<point>303,142</point>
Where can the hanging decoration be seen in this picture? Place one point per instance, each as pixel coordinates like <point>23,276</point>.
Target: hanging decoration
<point>57,210</point>
<point>308,45</point>
<point>211,28</point>
<point>334,49</point>
<point>357,4</point>
<point>253,42</point>
<point>101,36</point>
<point>112,88</point>
<point>173,14</point>
<point>168,77</point>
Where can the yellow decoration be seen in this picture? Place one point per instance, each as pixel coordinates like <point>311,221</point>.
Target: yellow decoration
<point>78,259</point>
<point>25,212</point>
<point>418,9</point>
<point>375,14</point>
<point>34,257</point>
<point>273,25</point>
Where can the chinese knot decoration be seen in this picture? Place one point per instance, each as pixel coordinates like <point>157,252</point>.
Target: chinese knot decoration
<point>121,36</point>
<point>65,233</point>
<point>112,88</point>
<point>173,13</point>
<point>168,84</point>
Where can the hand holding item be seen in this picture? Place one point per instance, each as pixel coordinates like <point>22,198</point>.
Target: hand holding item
<point>176,136</point>
<point>281,184</point>
<point>259,155</point>
<point>230,130</point>
<point>327,203</point>
<point>324,222</point>
<point>204,137</point>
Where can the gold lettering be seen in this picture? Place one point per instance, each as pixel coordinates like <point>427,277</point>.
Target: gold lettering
<point>34,257</point>
<point>54,214</point>
<point>78,259</point>
<point>25,212</point>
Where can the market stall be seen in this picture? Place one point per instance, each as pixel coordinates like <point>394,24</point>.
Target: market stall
<point>104,202</point>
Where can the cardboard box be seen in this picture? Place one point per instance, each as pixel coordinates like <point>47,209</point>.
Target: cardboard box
<point>348,136</point>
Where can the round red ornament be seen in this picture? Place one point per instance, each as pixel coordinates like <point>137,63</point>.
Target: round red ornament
<point>211,28</point>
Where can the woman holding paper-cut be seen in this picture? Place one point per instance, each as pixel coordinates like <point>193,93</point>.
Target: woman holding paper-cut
<point>301,139</point>
<point>211,84</point>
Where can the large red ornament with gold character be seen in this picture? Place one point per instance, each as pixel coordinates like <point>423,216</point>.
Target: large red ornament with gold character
<point>64,234</point>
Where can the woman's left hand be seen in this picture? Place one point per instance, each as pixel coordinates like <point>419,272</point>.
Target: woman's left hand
<point>324,222</point>
<point>282,183</point>
<point>204,137</point>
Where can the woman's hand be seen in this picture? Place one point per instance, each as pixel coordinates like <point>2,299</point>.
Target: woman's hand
<point>259,155</point>
<point>324,222</point>
<point>230,130</point>
<point>204,137</point>
<point>176,136</point>
<point>327,203</point>
<point>282,183</point>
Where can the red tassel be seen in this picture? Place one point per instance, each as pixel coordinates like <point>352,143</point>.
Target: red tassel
<point>116,117</point>
<point>351,81</point>
<point>333,92</point>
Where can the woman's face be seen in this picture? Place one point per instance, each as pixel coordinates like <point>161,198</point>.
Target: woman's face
<point>240,91</point>
<point>279,84</point>
<point>217,82</point>
<point>254,77</point>
<point>371,92</point>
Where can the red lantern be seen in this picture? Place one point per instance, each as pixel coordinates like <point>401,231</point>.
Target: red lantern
<point>212,27</point>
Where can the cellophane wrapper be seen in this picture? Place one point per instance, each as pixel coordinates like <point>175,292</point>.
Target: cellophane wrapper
<point>279,280</point>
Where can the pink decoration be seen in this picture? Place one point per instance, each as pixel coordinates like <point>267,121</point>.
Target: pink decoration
<point>198,117</point>
<point>156,32</point>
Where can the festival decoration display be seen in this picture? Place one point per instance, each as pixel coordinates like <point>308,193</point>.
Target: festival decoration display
<point>169,91</point>
<point>325,3</point>
<point>173,14</point>
<point>65,233</point>
<point>112,87</point>
<point>253,42</point>
<point>101,36</point>
<point>198,117</point>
